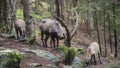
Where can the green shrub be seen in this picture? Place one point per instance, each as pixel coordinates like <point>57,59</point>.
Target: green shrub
<point>69,54</point>
<point>10,60</point>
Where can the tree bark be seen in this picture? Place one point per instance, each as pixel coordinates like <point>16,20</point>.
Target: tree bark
<point>30,23</point>
<point>37,8</point>
<point>64,14</point>
<point>97,29</point>
<point>105,31</point>
<point>115,31</point>
<point>7,15</point>
<point>58,13</point>
<point>52,4</point>
<point>109,28</point>
<point>90,21</point>
<point>2,7</point>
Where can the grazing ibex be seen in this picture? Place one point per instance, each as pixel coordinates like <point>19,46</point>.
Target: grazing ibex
<point>52,28</point>
<point>20,28</point>
<point>91,52</point>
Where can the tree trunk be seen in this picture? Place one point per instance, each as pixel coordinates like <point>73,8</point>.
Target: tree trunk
<point>37,7</point>
<point>105,32</point>
<point>1,12</point>
<point>90,21</point>
<point>115,31</point>
<point>109,28</point>
<point>64,15</point>
<point>75,2</point>
<point>52,9</point>
<point>97,29</point>
<point>7,15</point>
<point>2,7</point>
<point>58,13</point>
<point>30,23</point>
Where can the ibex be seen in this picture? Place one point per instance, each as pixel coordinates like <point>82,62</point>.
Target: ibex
<point>20,28</point>
<point>91,52</point>
<point>52,28</point>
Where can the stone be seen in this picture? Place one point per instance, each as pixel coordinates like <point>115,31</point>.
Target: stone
<point>10,58</point>
<point>36,64</point>
<point>77,63</point>
<point>45,54</point>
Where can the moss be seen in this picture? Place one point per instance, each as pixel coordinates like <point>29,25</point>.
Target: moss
<point>10,59</point>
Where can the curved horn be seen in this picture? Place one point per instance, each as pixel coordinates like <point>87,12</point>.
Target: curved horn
<point>67,41</point>
<point>74,30</point>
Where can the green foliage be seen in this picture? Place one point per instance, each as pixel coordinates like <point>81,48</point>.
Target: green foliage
<point>69,54</point>
<point>10,59</point>
<point>15,56</point>
<point>38,33</point>
<point>104,9</point>
<point>81,50</point>
<point>46,14</point>
<point>19,13</point>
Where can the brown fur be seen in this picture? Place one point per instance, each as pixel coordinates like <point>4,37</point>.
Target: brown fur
<point>20,28</point>
<point>52,28</point>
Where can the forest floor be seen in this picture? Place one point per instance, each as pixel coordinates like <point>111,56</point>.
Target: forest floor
<point>80,39</point>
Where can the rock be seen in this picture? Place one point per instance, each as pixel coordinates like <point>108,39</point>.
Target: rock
<point>10,58</point>
<point>36,64</point>
<point>77,63</point>
<point>66,66</point>
<point>26,49</point>
<point>45,54</point>
<point>52,66</point>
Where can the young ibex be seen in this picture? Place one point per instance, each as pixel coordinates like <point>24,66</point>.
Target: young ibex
<point>91,52</point>
<point>52,28</point>
<point>20,28</point>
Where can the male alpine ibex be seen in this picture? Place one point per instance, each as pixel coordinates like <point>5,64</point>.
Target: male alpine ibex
<point>52,28</point>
